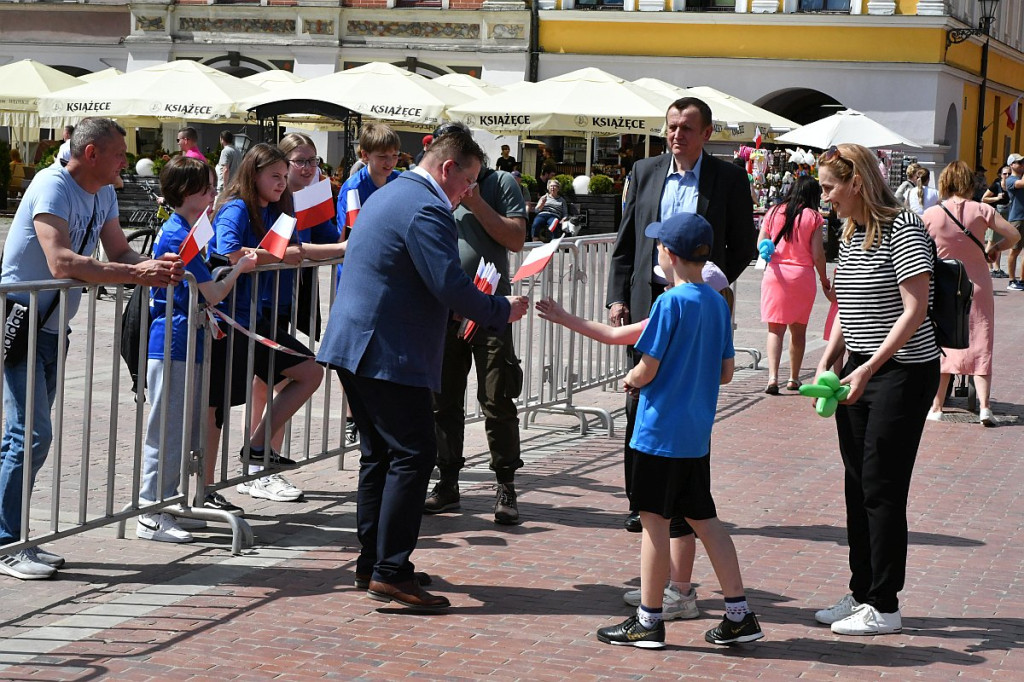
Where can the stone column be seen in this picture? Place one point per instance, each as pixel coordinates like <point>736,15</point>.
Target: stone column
<point>883,7</point>
<point>764,6</point>
<point>932,8</point>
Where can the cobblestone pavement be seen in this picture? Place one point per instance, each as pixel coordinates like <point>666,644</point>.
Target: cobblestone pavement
<point>527,599</point>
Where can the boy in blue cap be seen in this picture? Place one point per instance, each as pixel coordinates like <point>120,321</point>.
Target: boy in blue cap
<point>687,353</point>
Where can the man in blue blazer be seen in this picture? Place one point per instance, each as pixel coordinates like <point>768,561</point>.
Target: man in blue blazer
<point>386,335</point>
<point>684,180</point>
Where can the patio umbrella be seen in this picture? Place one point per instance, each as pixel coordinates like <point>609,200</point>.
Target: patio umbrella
<point>846,126</point>
<point>474,88</point>
<point>376,90</point>
<point>586,102</point>
<point>22,84</point>
<point>101,75</point>
<point>274,79</point>
<point>732,117</point>
<point>179,90</point>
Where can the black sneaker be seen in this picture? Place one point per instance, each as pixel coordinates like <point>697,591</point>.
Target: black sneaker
<point>275,460</point>
<point>506,511</point>
<point>444,497</point>
<point>631,633</point>
<point>728,632</point>
<point>351,432</point>
<point>215,500</point>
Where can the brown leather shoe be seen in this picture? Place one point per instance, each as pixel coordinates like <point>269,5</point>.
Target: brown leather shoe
<point>409,594</point>
<point>363,579</point>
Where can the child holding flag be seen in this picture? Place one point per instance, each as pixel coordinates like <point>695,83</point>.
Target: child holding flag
<point>252,217</point>
<point>188,186</point>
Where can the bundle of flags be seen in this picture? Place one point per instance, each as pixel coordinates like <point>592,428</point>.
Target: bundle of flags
<point>486,280</point>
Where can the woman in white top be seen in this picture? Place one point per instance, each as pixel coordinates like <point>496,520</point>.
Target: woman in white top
<point>924,197</point>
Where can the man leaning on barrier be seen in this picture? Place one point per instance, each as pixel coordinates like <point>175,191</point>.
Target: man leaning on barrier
<point>66,210</point>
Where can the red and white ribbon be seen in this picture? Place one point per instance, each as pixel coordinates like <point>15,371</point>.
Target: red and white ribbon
<point>269,343</point>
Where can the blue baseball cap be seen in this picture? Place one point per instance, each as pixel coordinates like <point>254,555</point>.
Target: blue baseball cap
<point>687,235</point>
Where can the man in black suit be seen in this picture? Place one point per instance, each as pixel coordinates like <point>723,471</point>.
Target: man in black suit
<point>684,180</point>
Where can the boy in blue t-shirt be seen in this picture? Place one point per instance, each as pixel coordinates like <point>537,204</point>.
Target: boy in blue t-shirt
<point>687,353</point>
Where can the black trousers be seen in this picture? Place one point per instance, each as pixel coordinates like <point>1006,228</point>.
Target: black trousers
<point>499,383</point>
<point>878,437</point>
<point>396,428</point>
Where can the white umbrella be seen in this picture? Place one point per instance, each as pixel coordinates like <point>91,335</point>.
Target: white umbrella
<point>474,88</point>
<point>101,75</point>
<point>586,102</point>
<point>847,126</point>
<point>22,84</point>
<point>179,90</point>
<point>376,90</point>
<point>274,79</point>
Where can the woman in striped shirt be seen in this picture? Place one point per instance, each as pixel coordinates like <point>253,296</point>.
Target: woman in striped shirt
<point>883,286</point>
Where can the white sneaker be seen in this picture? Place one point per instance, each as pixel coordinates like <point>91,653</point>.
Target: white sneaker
<point>674,603</point>
<point>934,416</point>
<point>186,523</point>
<point>274,487</point>
<point>243,488</point>
<point>48,558</point>
<point>867,620</point>
<point>986,417</point>
<point>160,527</point>
<point>844,609</point>
<point>25,566</point>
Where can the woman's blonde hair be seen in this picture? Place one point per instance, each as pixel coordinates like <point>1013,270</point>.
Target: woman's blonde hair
<point>849,160</point>
<point>923,177</point>
<point>291,141</point>
<point>956,180</point>
<point>912,171</point>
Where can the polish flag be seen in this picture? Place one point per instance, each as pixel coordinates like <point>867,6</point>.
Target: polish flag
<point>352,206</point>
<point>1011,114</point>
<point>537,260</point>
<point>313,205</point>
<point>553,226</point>
<point>198,237</point>
<point>276,240</point>
<point>757,137</point>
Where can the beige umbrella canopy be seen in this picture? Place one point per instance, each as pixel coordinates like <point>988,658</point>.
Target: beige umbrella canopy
<point>22,84</point>
<point>586,102</point>
<point>274,79</point>
<point>734,118</point>
<point>175,91</point>
<point>474,88</point>
<point>845,126</point>
<point>376,90</point>
<point>101,75</point>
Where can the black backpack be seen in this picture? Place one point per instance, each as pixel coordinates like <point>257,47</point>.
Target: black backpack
<point>950,311</point>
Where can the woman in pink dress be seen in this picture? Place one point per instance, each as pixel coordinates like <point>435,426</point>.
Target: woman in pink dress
<point>788,288</point>
<point>956,186</point>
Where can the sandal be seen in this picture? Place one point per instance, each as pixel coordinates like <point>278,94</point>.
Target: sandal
<point>772,388</point>
<point>793,385</point>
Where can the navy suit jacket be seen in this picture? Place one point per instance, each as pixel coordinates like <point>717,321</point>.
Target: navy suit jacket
<point>402,275</point>
<point>723,198</point>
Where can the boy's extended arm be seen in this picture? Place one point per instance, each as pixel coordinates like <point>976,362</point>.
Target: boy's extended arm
<point>728,367</point>
<point>216,291</point>
<point>613,336</point>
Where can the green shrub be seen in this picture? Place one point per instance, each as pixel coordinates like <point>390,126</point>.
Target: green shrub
<point>529,181</point>
<point>601,184</point>
<point>47,159</point>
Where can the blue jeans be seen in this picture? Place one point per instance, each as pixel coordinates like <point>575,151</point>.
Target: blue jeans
<point>12,447</point>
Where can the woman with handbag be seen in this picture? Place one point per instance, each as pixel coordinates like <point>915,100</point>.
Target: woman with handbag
<point>958,227</point>
<point>882,284</point>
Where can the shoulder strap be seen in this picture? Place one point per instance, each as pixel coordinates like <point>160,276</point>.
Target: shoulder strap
<point>965,230</point>
<point>81,248</point>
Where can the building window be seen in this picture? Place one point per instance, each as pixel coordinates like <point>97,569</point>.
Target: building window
<point>598,4</point>
<point>418,3</point>
<point>824,6</point>
<point>710,5</point>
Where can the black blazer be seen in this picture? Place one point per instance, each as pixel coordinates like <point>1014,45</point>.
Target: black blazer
<point>724,199</point>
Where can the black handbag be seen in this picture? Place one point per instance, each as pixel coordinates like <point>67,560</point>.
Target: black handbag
<point>950,311</point>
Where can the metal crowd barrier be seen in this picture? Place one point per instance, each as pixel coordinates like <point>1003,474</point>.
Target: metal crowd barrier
<point>95,417</point>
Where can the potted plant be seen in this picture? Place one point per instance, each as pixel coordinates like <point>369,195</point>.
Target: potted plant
<point>601,184</point>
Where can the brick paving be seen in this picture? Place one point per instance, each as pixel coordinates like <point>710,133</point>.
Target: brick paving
<point>527,599</point>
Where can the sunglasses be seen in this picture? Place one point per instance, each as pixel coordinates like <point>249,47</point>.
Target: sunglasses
<point>305,163</point>
<point>448,129</point>
<point>832,154</point>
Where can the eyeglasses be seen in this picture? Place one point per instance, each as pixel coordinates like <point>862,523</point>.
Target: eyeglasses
<point>1004,174</point>
<point>306,163</point>
<point>473,184</point>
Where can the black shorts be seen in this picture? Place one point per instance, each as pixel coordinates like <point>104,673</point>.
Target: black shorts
<point>673,487</point>
<point>219,374</point>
